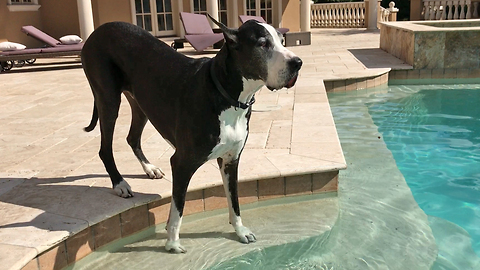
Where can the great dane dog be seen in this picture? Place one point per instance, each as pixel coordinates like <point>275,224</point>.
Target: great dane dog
<point>201,106</point>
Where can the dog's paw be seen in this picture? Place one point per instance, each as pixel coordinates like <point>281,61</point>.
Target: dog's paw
<point>153,171</point>
<point>123,189</point>
<point>175,247</point>
<point>246,236</point>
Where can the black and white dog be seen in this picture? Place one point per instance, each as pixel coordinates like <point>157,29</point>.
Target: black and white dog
<point>200,106</point>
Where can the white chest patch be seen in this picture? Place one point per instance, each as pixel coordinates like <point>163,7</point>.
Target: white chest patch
<point>233,134</point>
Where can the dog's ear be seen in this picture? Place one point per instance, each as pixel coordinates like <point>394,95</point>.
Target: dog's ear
<point>229,33</point>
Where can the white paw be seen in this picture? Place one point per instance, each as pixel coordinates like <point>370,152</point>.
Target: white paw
<point>246,236</point>
<point>175,247</point>
<point>123,189</point>
<point>153,171</point>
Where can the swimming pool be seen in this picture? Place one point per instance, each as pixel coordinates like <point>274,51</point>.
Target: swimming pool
<point>433,133</point>
<point>380,224</point>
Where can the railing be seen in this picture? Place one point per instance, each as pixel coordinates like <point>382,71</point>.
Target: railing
<point>450,9</point>
<point>386,14</point>
<point>338,15</point>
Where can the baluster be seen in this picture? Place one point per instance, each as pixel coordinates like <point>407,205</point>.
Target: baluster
<point>362,15</point>
<point>443,3</point>
<point>346,16</point>
<point>455,15</point>
<point>461,8</point>
<point>438,12</point>
<point>469,10</point>
<point>475,10</point>
<point>426,8</point>
<point>336,17</point>
<point>450,11</point>
<point>350,16</point>
<point>324,17</point>
<point>355,15</point>
<point>434,10</point>
<point>329,16</point>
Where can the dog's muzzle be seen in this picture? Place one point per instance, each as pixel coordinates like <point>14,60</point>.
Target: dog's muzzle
<point>294,66</point>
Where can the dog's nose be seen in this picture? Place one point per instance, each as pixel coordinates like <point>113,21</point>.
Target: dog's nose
<point>295,63</point>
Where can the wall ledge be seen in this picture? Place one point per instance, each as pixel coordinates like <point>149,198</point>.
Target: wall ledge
<point>18,8</point>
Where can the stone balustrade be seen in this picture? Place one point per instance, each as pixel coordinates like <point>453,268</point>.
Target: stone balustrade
<point>348,15</point>
<point>338,15</point>
<point>450,9</point>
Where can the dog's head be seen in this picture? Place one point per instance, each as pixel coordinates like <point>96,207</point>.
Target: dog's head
<point>260,54</point>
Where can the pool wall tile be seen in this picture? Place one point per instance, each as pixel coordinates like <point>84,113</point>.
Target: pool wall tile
<point>370,82</point>
<point>298,184</point>
<point>350,85</point>
<point>361,83</point>
<point>271,188</point>
<point>463,73</point>
<point>401,74</point>
<point>248,192</point>
<point>215,198</point>
<point>325,182</point>
<point>339,86</point>
<point>55,258</point>
<point>425,73</point>
<point>413,74</point>
<point>80,245</point>
<point>328,86</point>
<point>194,202</point>
<point>438,73</point>
<point>32,265</point>
<point>134,220</point>
<point>107,231</point>
<point>158,211</point>
<point>450,73</point>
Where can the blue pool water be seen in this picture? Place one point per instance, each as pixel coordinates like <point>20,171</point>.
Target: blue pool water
<point>434,136</point>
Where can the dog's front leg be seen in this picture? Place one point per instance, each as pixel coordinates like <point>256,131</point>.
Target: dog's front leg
<point>182,171</point>
<point>229,171</point>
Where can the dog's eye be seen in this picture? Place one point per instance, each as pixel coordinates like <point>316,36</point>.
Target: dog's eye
<point>262,42</point>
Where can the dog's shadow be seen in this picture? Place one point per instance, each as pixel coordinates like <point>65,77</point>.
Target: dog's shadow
<point>60,199</point>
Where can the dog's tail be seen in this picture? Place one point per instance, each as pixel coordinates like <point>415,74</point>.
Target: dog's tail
<point>94,120</point>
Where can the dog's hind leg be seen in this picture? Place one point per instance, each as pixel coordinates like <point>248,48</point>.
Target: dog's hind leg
<point>134,138</point>
<point>229,171</point>
<point>182,171</point>
<point>107,93</point>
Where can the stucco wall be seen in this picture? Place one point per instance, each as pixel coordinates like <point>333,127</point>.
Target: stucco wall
<point>12,22</point>
<point>291,15</point>
<point>111,10</point>
<point>59,18</point>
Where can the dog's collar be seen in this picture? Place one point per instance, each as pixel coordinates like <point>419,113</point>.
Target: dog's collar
<point>233,102</point>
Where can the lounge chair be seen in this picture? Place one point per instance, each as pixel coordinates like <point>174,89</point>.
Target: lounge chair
<point>198,32</point>
<point>244,18</point>
<point>56,49</point>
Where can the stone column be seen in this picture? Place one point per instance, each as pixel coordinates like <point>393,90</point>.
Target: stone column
<point>371,14</point>
<point>181,31</point>
<point>305,10</point>
<point>234,7</point>
<point>85,16</point>
<point>212,9</point>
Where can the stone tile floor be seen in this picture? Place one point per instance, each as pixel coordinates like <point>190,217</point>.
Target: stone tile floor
<point>53,185</point>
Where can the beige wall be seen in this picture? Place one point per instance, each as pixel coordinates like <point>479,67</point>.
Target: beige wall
<point>59,18</point>
<point>111,10</point>
<point>12,22</point>
<point>291,15</point>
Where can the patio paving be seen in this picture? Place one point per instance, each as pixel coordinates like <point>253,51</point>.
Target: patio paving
<point>53,185</point>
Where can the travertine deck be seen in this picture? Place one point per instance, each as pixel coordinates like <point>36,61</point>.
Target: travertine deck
<point>53,185</point>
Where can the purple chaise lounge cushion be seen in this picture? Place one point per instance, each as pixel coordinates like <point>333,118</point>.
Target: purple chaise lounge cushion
<point>38,34</point>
